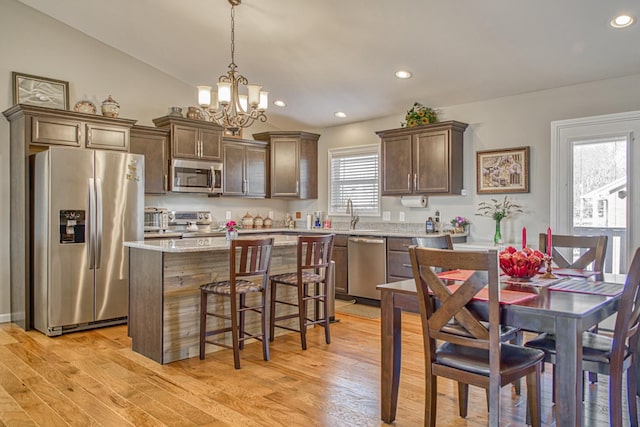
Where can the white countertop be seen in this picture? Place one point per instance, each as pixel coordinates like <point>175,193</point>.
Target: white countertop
<point>202,244</point>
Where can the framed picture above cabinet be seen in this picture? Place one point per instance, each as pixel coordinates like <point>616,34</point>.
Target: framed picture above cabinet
<point>503,171</point>
<point>40,91</point>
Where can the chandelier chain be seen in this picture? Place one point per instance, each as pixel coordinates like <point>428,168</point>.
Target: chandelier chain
<point>233,37</point>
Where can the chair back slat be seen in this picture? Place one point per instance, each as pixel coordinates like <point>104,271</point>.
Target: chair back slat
<point>314,252</point>
<point>251,257</point>
<point>592,254</point>
<point>625,333</point>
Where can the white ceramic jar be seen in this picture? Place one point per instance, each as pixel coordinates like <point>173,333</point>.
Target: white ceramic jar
<point>110,108</point>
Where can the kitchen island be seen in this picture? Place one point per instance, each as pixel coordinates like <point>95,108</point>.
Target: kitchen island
<point>164,291</point>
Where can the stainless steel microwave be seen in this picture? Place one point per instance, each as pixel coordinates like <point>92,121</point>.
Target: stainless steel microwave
<point>196,176</point>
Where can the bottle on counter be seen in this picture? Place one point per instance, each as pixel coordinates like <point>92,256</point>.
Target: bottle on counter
<point>430,226</point>
<point>438,224</point>
<point>327,223</point>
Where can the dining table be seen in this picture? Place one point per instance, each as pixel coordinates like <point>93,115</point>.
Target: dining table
<point>566,312</point>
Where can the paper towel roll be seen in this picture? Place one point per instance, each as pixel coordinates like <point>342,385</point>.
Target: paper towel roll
<point>414,201</point>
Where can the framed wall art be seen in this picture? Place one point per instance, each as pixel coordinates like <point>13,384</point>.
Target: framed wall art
<point>503,171</point>
<point>40,91</point>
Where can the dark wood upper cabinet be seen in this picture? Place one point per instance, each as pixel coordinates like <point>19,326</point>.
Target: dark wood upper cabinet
<point>47,126</point>
<point>193,139</point>
<point>153,143</point>
<point>246,167</point>
<point>294,163</point>
<point>423,160</point>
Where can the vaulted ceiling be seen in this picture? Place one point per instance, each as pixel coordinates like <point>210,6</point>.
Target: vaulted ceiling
<point>325,56</point>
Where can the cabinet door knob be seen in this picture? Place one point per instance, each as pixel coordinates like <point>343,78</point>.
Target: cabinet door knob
<point>409,181</point>
<point>415,182</point>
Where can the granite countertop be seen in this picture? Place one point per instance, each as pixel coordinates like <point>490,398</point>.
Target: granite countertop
<point>357,232</point>
<point>201,244</point>
<point>215,241</point>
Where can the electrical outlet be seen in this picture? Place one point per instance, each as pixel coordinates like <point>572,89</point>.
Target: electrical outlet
<point>463,192</point>
<point>401,217</point>
<point>386,216</point>
<point>270,214</point>
<point>228,215</point>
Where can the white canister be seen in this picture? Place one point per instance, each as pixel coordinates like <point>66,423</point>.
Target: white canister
<point>309,221</point>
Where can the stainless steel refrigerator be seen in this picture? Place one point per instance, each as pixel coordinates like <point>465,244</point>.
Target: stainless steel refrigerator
<point>86,203</point>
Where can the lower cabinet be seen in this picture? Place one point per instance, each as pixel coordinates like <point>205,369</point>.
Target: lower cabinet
<point>398,261</point>
<point>341,264</point>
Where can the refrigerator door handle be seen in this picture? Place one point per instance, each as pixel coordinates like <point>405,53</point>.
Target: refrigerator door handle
<point>91,224</point>
<point>98,222</point>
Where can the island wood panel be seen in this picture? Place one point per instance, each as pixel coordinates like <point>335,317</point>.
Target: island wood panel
<point>145,303</point>
<point>179,277</point>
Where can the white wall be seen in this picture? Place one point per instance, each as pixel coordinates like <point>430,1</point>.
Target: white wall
<point>522,120</point>
<point>33,43</point>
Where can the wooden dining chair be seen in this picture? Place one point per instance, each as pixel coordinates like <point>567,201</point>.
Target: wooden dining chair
<point>476,357</point>
<point>311,279</point>
<point>593,250</point>
<point>611,355</point>
<point>508,333</point>
<point>248,259</point>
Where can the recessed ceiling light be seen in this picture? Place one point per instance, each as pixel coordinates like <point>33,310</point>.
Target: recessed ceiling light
<point>403,74</point>
<point>622,21</point>
<point>340,114</point>
<point>279,103</point>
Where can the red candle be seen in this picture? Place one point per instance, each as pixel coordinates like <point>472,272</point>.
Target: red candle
<point>549,241</point>
<point>524,237</point>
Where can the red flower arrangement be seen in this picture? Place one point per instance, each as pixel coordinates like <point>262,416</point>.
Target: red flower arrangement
<point>522,264</point>
<point>231,225</point>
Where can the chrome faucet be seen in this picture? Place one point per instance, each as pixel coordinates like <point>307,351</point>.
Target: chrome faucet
<point>352,212</point>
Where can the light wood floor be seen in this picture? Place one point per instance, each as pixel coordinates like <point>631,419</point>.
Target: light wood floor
<point>93,378</point>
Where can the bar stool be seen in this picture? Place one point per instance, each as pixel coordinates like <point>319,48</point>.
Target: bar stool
<point>313,270</point>
<point>253,262</point>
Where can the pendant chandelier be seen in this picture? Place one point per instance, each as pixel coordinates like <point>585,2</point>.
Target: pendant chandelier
<point>231,109</point>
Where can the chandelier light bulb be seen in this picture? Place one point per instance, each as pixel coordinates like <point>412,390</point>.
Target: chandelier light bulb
<point>243,102</point>
<point>224,93</point>
<point>204,96</point>
<point>264,100</point>
<point>254,94</point>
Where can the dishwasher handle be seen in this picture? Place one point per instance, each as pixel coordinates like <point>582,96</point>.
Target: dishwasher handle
<point>366,240</point>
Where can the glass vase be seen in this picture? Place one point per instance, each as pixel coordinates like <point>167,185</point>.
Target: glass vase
<point>497,237</point>
<point>232,234</point>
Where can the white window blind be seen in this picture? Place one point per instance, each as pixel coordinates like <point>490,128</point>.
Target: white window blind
<point>354,174</point>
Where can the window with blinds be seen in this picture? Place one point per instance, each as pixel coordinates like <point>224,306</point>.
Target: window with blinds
<point>354,173</point>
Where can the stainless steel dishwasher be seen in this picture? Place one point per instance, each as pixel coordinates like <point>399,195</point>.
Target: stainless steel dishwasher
<point>367,265</point>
